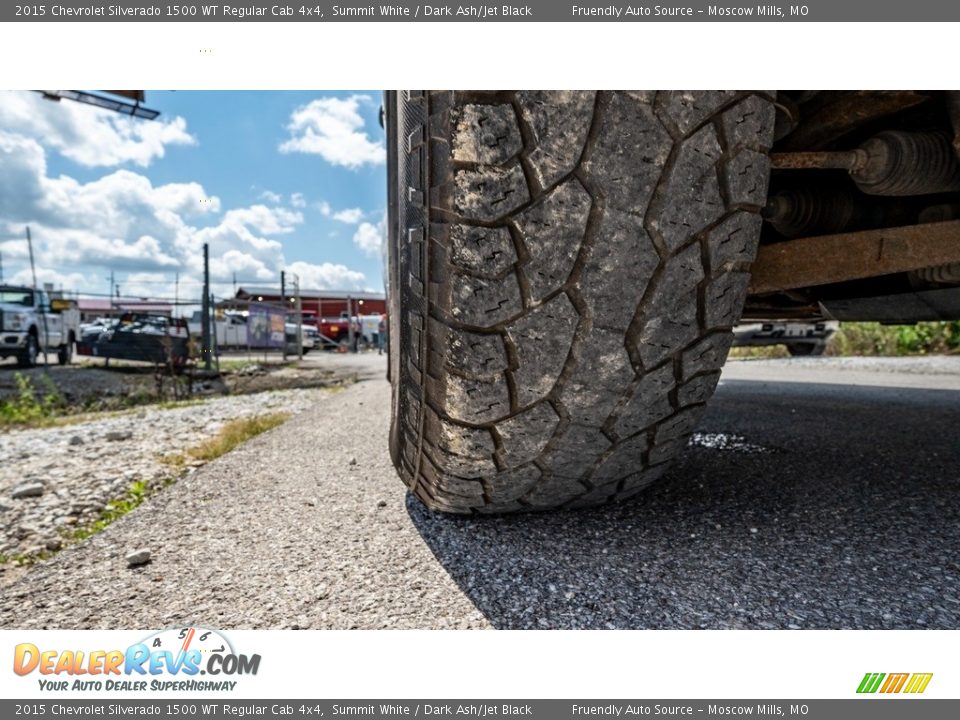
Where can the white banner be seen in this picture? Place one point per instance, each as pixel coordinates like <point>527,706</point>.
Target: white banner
<point>450,664</point>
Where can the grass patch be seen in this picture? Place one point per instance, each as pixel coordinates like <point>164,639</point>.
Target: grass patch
<point>872,339</point>
<point>174,404</point>
<point>760,351</point>
<point>32,405</point>
<point>114,510</point>
<point>234,433</point>
<point>23,559</point>
<point>235,366</point>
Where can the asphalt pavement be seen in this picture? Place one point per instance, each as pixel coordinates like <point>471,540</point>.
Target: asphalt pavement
<point>819,493</point>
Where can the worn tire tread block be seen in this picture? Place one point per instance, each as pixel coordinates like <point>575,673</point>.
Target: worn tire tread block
<point>567,267</point>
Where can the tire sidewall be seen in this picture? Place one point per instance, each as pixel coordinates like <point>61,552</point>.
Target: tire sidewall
<point>31,353</point>
<point>391,108</point>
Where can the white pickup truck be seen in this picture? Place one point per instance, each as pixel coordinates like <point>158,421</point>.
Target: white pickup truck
<point>32,323</point>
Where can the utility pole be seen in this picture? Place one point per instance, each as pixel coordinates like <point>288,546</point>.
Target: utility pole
<point>283,305</point>
<point>215,349</point>
<point>176,293</point>
<point>33,268</point>
<point>299,307</point>
<point>205,324</point>
<point>110,292</point>
<point>350,333</point>
<point>43,311</point>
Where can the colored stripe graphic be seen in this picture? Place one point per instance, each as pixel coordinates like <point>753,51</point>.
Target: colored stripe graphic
<point>918,682</point>
<point>870,682</point>
<point>894,682</point>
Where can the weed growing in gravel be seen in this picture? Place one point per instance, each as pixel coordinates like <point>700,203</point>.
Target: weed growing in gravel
<point>23,559</point>
<point>234,433</point>
<point>174,404</point>
<point>236,366</point>
<point>114,510</point>
<point>29,409</point>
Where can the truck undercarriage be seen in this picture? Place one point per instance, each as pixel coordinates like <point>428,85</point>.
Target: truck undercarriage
<point>863,216</point>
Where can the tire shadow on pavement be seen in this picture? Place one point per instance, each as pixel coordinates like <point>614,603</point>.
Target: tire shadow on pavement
<point>849,519</point>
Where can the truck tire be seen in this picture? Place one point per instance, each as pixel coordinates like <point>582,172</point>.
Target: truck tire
<point>27,358</point>
<point>65,353</point>
<point>564,272</point>
<point>806,349</point>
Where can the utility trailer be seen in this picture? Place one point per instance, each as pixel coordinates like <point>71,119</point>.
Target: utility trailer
<point>157,339</point>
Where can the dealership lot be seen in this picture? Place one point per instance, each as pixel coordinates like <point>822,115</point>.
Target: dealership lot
<point>816,494</point>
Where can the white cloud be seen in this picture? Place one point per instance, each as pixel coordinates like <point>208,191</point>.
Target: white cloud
<point>270,221</point>
<point>88,135</point>
<point>327,276</point>
<point>351,216</point>
<point>147,233</point>
<point>334,129</point>
<point>244,264</point>
<point>46,275</point>
<point>369,239</point>
<point>123,222</point>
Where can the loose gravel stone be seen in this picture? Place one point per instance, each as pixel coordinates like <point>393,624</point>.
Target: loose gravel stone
<point>138,558</point>
<point>27,491</point>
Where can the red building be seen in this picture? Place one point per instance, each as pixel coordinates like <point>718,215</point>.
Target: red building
<point>322,303</point>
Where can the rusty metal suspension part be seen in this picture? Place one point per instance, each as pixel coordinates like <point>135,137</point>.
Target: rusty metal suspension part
<point>948,274</point>
<point>823,209</point>
<point>892,163</point>
<point>940,275</point>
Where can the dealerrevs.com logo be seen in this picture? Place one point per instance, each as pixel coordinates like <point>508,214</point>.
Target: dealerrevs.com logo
<point>168,660</point>
<point>910,683</point>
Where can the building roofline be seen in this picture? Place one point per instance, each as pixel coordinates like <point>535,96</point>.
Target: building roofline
<point>251,290</point>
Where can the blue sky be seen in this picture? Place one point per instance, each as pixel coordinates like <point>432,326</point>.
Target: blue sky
<point>272,180</point>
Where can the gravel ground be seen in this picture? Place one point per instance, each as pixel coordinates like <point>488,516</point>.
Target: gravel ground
<point>87,383</point>
<point>63,476</point>
<point>804,503</point>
